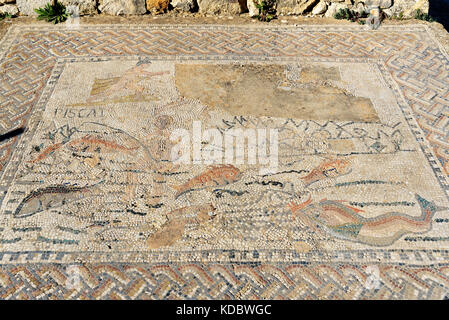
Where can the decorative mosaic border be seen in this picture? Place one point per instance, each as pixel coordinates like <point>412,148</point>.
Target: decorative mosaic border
<point>223,281</point>
<point>390,256</point>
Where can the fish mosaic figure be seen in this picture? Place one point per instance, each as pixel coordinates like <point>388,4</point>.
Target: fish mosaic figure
<point>177,220</point>
<point>87,143</point>
<point>49,197</point>
<point>343,221</point>
<point>328,169</point>
<point>220,175</point>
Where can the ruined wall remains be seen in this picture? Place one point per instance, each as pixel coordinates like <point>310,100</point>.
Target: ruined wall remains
<point>326,8</point>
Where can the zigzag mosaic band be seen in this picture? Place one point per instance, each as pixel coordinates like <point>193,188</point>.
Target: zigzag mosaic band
<point>221,281</point>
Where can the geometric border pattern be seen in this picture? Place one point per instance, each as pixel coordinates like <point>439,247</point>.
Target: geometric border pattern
<point>222,281</point>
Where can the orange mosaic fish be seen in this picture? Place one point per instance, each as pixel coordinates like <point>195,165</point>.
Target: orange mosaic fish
<point>215,176</point>
<point>173,230</point>
<point>87,141</point>
<point>328,169</point>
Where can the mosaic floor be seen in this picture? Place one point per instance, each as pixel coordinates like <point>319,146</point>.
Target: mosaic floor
<point>96,204</point>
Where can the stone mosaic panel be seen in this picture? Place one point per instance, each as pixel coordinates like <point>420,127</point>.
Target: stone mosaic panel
<point>92,178</point>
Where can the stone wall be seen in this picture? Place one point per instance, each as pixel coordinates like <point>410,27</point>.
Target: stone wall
<point>326,8</point>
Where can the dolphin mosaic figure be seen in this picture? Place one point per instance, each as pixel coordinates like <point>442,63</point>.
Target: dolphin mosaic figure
<point>343,221</point>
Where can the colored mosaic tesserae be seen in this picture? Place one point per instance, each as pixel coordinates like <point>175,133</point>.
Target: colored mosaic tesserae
<point>94,203</point>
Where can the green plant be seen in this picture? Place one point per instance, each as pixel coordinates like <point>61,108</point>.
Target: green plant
<point>398,17</point>
<point>266,10</point>
<point>54,12</point>
<point>351,15</point>
<point>423,16</point>
<point>5,15</point>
